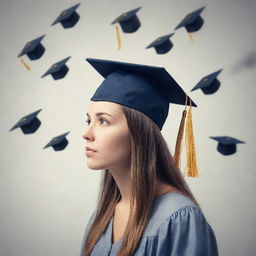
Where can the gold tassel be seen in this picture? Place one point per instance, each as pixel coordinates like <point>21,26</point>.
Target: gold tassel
<point>191,37</point>
<point>118,37</point>
<point>179,139</point>
<point>192,170</point>
<point>25,64</point>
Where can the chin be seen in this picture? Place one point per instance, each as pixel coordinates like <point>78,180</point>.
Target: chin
<point>95,166</point>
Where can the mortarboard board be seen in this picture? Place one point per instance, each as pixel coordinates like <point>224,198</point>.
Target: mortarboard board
<point>148,89</point>
<point>58,143</point>
<point>129,21</point>
<point>226,144</point>
<point>58,70</point>
<point>162,44</point>
<point>33,49</point>
<point>209,84</point>
<point>192,22</point>
<point>29,123</point>
<point>68,18</point>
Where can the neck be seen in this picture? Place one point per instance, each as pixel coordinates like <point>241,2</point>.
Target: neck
<point>123,181</point>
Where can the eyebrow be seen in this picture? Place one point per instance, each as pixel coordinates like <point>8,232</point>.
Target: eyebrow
<point>100,114</point>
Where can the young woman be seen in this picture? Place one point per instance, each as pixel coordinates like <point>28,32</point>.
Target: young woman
<point>145,207</point>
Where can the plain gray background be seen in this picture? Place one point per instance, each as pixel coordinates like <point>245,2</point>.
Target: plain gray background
<point>46,197</point>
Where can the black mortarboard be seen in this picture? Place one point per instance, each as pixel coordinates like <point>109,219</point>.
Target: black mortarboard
<point>58,143</point>
<point>193,21</point>
<point>129,21</point>
<point>227,144</point>
<point>162,44</point>
<point>29,123</point>
<point>209,84</point>
<point>148,89</point>
<point>33,49</point>
<point>58,70</point>
<point>68,18</point>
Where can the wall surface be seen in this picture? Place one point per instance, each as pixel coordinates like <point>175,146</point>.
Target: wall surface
<point>46,197</point>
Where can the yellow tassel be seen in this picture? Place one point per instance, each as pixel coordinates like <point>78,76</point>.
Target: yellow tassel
<point>177,154</point>
<point>25,64</point>
<point>118,37</point>
<point>191,37</point>
<point>192,170</point>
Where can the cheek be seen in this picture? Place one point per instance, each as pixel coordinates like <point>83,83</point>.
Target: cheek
<point>115,145</point>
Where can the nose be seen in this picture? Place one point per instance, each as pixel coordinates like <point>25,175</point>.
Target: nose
<point>88,134</point>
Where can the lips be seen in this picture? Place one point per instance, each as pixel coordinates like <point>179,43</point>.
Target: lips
<point>90,149</point>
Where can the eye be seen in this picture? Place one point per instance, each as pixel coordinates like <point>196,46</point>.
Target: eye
<point>88,121</point>
<point>103,120</point>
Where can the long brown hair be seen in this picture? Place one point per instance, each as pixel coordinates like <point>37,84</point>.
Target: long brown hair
<point>150,160</point>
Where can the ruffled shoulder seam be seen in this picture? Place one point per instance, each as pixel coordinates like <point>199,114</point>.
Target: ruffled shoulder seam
<point>184,208</point>
<point>175,214</point>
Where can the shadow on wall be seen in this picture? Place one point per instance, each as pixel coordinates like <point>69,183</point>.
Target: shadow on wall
<point>248,62</point>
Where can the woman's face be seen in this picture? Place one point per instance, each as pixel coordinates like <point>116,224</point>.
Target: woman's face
<point>107,133</point>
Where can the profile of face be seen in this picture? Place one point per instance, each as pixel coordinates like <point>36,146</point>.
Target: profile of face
<point>108,134</point>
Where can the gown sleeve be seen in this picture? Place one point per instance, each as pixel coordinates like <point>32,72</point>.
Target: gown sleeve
<point>87,228</point>
<point>186,233</point>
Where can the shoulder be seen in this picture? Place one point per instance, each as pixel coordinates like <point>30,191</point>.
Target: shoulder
<point>87,229</point>
<point>167,204</point>
<point>89,223</point>
<point>178,227</point>
<point>92,216</point>
<point>168,207</point>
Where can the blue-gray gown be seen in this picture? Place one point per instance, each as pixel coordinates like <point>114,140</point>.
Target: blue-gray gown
<point>176,227</point>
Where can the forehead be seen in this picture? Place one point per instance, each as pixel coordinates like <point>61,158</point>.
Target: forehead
<point>104,106</point>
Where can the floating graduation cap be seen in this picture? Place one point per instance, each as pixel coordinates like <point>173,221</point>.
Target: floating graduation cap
<point>162,44</point>
<point>68,18</point>
<point>227,144</point>
<point>29,123</point>
<point>209,84</point>
<point>193,21</point>
<point>58,143</point>
<point>33,49</point>
<point>58,70</point>
<point>129,21</point>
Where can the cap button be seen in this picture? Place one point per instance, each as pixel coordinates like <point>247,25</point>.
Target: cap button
<point>63,13</point>
<point>28,44</point>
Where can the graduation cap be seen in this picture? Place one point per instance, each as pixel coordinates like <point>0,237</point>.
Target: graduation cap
<point>68,18</point>
<point>58,143</point>
<point>33,49</point>
<point>226,144</point>
<point>209,84</point>
<point>193,21</point>
<point>29,123</point>
<point>58,70</point>
<point>129,21</point>
<point>148,89</point>
<point>162,44</point>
